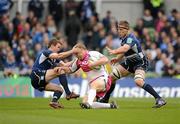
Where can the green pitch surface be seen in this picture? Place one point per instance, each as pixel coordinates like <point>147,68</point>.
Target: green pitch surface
<point>130,111</point>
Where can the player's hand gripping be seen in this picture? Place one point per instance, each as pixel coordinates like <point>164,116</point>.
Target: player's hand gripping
<point>110,51</point>
<point>114,60</point>
<point>85,66</point>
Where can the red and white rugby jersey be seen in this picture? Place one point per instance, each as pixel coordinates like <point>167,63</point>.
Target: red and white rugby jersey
<point>91,56</point>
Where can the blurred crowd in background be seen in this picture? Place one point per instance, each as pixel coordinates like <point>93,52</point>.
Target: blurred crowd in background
<point>24,37</point>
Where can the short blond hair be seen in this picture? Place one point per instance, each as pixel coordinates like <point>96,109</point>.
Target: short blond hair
<point>80,45</point>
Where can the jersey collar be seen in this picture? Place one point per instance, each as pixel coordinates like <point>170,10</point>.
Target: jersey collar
<point>86,56</point>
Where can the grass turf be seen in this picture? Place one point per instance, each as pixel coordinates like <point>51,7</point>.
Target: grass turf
<point>130,111</point>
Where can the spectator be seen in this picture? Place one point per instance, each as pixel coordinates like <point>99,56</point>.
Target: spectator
<point>56,10</point>
<point>168,69</point>
<point>177,66</point>
<point>154,6</point>
<point>86,9</point>
<point>5,6</point>
<point>70,5</point>
<point>72,28</point>
<point>107,21</point>
<point>50,24</point>
<point>139,26</point>
<point>37,7</point>
<point>160,22</point>
<point>148,19</point>
<point>177,48</point>
<point>10,67</point>
<point>174,18</point>
<point>3,28</point>
<point>30,18</point>
<point>159,64</point>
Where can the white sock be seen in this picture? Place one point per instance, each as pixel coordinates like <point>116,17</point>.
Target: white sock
<point>100,105</point>
<point>91,96</point>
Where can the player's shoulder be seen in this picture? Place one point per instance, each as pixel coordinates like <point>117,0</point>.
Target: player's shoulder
<point>46,52</point>
<point>94,52</point>
<point>131,38</point>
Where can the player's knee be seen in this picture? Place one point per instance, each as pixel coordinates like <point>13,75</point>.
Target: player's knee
<point>139,80</point>
<point>59,89</point>
<point>58,71</point>
<point>96,86</point>
<point>139,83</point>
<point>116,74</point>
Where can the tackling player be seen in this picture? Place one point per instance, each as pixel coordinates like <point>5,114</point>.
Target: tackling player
<point>134,62</point>
<point>43,71</point>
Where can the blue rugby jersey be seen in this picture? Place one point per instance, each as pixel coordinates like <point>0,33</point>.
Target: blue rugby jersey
<point>43,62</point>
<point>135,47</point>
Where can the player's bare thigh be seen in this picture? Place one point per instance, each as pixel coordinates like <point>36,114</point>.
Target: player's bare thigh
<point>53,73</point>
<point>121,70</point>
<point>98,84</point>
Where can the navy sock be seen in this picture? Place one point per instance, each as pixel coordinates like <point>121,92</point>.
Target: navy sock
<point>108,94</point>
<point>150,90</point>
<point>64,83</point>
<point>56,96</point>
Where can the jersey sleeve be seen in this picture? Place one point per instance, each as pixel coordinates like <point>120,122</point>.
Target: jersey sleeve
<point>74,66</point>
<point>47,53</point>
<point>130,42</point>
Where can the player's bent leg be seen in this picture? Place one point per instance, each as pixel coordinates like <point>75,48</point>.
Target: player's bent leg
<point>118,71</point>
<point>88,101</point>
<point>139,77</point>
<point>64,83</point>
<point>53,73</point>
<point>99,84</point>
<point>97,105</point>
<point>53,87</point>
<point>139,80</point>
<point>57,94</point>
<point>95,86</point>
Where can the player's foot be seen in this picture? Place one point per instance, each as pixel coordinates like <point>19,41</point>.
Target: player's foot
<point>113,105</point>
<point>55,105</point>
<point>159,103</point>
<point>72,96</point>
<point>85,105</point>
<point>103,100</point>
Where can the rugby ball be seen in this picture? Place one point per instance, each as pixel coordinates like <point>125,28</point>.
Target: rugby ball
<point>116,73</point>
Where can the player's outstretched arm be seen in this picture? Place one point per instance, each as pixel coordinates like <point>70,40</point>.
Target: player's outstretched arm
<point>62,63</point>
<point>121,50</point>
<point>61,55</point>
<point>102,61</point>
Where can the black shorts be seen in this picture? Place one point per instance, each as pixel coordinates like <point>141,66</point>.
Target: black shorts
<point>38,79</point>
<point>138,63</point>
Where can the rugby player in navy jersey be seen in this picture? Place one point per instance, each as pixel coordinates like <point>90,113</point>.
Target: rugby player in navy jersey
<point>44,71</point>
<point>132,60</point>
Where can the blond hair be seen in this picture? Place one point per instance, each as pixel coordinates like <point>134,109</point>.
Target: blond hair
<point>80,45</point>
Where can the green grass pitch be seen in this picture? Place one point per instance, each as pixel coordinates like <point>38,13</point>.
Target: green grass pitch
<point>130,111</point>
